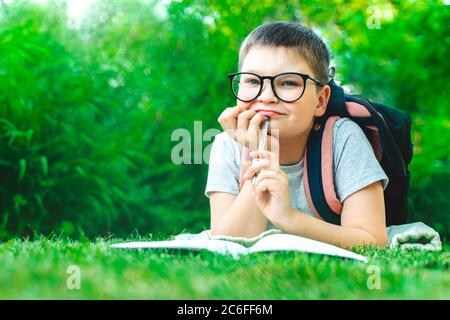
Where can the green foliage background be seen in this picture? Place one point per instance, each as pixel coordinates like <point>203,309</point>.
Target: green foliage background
<point>87,112</point>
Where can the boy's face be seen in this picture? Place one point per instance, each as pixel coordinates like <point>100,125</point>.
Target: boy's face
<point>297,117</point>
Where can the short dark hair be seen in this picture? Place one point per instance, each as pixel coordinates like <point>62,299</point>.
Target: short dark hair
<point>290,35</point>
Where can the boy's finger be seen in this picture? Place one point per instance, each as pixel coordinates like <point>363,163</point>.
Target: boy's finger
<point>265,154</point>
<point>254,131</point>
<point>243,135</point>
<point>256,167</point>
<point>231,113</point>
<point>256,120</point>
<point>265,174</point>
<point>261,154</point>
<point>228,121</point>
<point>226,118</point>
<point>244,119</point>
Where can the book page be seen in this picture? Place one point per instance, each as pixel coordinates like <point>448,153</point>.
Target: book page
<point>219,246</point>
<point>288,242</point>
<point>246,242</point>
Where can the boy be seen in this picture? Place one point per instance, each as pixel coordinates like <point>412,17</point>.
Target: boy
<point>283,74</point>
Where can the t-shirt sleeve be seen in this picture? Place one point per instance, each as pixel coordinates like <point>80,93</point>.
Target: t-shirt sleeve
<point>354,161</point>
<point>223,169</point>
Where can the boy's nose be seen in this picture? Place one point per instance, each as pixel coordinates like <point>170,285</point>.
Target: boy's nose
<point>267,94</point>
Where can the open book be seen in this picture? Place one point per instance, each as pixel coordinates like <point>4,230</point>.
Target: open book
<point>271,240</point>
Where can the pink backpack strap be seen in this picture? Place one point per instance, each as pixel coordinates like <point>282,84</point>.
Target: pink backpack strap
<point>327,166</point>
<point>306,184</point>
<point>326,169</point>
<point>357,110</point>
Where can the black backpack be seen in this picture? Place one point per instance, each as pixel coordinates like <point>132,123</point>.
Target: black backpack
<point>389,132</point>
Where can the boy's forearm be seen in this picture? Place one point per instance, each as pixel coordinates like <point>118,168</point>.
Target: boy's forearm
<point>310,227</point>
<point>243,218</point>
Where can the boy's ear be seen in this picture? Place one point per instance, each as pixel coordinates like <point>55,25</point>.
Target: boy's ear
<point>324,97</point>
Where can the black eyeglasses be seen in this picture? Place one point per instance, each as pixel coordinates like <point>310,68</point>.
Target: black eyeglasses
<point>288,87</point>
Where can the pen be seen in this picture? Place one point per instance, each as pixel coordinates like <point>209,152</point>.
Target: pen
<point>262,142</point>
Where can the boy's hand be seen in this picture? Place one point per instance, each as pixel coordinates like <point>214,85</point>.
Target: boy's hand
<point>271,190</point>
<point>242,125</point>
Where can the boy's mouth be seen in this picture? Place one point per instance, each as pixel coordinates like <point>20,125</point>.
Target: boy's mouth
<point>269,113</point>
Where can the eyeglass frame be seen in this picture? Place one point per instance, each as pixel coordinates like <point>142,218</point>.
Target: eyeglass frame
<point>304,76</point>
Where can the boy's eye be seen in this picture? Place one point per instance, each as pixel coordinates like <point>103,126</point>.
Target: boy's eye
<point>251,81</point>
<point>290,83</point>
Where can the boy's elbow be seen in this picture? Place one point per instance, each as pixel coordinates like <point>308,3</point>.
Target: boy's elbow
<point>214,231</point>
<point>376,240</point>
<point>382,240</point>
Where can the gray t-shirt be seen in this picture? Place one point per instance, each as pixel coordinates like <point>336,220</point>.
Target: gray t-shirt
<point>354,166</point>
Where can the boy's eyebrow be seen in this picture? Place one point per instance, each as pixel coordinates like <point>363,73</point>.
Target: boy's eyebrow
<point>260,73</point>
<point>250,70</point>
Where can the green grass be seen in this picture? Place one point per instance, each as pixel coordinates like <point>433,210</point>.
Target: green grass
<point>38,270</point>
